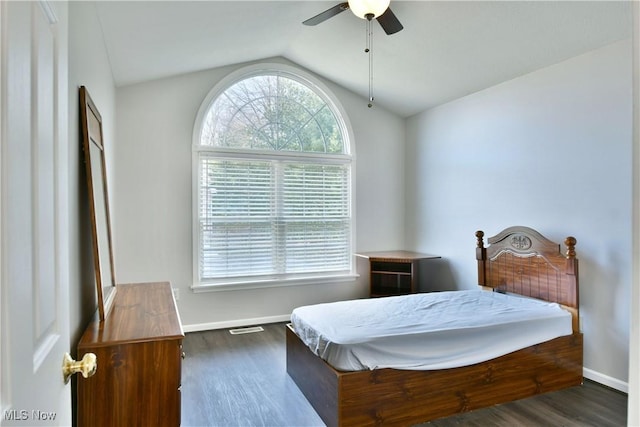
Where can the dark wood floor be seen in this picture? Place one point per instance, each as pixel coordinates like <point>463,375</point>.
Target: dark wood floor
<point>241,380</point>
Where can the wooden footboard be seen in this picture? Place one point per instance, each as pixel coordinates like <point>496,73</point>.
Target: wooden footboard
<point>402,397</point>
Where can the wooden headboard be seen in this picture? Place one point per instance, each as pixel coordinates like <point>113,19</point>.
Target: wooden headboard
<point>520,260</point>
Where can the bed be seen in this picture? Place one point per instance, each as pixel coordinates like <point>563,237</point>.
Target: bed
<point>517,261</point>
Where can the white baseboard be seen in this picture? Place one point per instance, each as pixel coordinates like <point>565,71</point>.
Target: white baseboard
<point>236,323</point>
<point>606,380</point>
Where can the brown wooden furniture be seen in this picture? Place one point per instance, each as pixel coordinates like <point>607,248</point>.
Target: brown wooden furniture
<point>139,355</point>
<point>96,167</point>
<point>518,260</point>
<point>394,272</point>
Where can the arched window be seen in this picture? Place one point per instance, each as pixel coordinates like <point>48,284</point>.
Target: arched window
<point>272,182</point>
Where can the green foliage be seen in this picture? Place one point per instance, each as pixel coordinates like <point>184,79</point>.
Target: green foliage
<point>272,112</point>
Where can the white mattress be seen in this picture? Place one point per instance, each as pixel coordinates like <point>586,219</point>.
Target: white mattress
<point>427,331</point>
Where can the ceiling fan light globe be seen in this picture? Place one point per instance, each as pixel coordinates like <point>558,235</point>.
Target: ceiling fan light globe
<point>361,8</point>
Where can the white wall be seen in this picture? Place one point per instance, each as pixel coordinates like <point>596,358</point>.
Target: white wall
<point>152,193</point>
<point>633,412</point>
<point>88,66</point>
<point>550,150</point>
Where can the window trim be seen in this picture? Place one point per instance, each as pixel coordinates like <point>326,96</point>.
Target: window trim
<point>275,282</point>
<point>226,284</point>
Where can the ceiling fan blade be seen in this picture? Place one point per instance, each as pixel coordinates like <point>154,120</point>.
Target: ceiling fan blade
<point>389,22</point>
<point>329,13</point>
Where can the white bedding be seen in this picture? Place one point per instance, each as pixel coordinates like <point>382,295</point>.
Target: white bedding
<point>427,331</point>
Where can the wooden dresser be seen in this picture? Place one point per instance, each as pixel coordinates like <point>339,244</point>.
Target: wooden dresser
<point>139,358</point>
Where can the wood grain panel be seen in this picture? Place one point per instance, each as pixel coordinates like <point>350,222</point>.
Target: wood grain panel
<point>522,261</point>
<point>399,397</point>
<point>320,384</point>
<point>141,312</point>
<point>139,356</point>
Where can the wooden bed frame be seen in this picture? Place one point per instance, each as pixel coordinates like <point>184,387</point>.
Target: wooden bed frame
<point>518,260</point>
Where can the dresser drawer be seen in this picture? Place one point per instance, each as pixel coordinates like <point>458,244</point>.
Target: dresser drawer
<point>138,379</point>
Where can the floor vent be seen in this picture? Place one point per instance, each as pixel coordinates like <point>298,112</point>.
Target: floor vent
<point>248,330</point>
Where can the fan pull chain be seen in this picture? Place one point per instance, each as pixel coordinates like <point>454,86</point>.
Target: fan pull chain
<point>369,51</point>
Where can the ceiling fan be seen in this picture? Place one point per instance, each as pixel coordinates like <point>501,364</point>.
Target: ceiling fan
<point>365,9</point>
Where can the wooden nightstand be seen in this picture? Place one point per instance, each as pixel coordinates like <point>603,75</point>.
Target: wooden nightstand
<point>394,272</point>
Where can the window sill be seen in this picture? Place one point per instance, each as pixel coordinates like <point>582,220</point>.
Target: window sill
<point>237,285</point>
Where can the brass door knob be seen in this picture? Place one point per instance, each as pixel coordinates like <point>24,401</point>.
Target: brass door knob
<point>87,366</point>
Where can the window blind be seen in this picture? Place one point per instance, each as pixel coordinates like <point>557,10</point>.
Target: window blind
<point>272,217</point>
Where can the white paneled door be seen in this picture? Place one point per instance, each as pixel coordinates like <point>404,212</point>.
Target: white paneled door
<point>34,229</point>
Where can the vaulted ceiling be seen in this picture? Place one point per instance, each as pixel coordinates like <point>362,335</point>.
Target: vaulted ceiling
<point>447,49</point>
